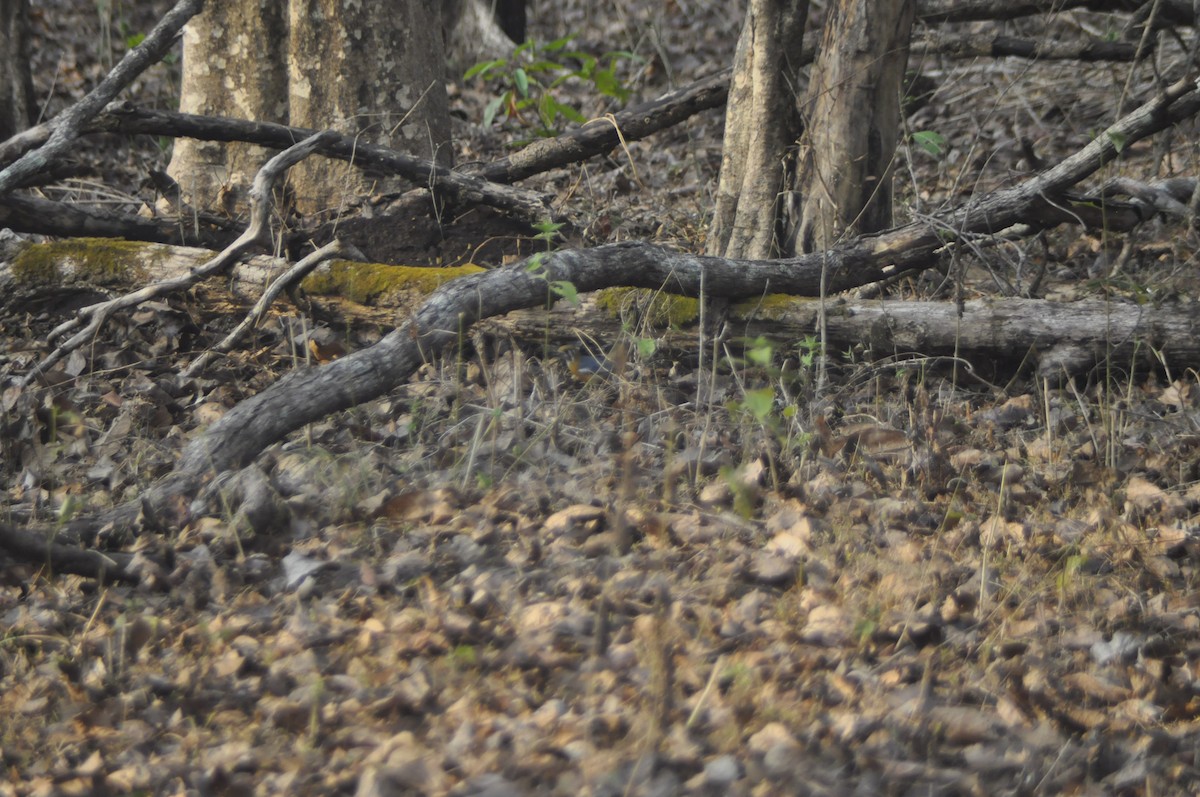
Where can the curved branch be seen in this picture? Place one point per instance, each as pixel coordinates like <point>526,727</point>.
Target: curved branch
<point>305,396</point>
<point>285,281</point>
<point>31,547</point>
<point>257,235</point>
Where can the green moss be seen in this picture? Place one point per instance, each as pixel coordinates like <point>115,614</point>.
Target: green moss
<point>771,307</point>
<point>96,260</point>
<point>670,310</point>
<point>653,307</point>
<point>367,282</point>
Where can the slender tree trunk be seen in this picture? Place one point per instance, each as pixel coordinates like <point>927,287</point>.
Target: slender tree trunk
<point>761,123</point>
<point>852,122</point>
<point>17,109</point>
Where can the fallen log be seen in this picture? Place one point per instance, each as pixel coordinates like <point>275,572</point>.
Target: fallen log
<point>994,337</point>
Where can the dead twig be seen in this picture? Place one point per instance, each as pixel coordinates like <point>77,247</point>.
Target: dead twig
<point>29,546</point>
<point>256,237</point>
<point>291,277</point>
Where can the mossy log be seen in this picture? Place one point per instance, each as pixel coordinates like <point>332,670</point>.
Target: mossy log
<point>1061,339</point>
<point>40,273</point>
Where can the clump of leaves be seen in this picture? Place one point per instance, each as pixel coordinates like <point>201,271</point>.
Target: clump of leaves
<point>526,81</point>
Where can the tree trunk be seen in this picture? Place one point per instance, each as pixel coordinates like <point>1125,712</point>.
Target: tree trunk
<point>234,64</point>
<point>17,107</point>
<point>368,69</point>
<point>480,30</point>
<point>852,121</point>
<point>760,124</point>
<point>511,16</point>
<point>364,69</point>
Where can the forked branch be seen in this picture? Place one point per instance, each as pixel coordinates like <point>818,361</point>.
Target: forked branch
<point>257,237</point>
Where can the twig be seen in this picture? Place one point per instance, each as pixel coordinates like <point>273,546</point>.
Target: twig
<point>136,61</point>
<point>29,546</point>
<point>334,249</point>
<point>256,236</point>
<point>460,188</point>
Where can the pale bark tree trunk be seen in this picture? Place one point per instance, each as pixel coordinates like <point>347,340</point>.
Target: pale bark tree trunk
<point>17,107</point>
<point>761,123</point>
<point>234,64</point>
<point>480,30</point>
<point>852,122</point>
<point>373,69</point>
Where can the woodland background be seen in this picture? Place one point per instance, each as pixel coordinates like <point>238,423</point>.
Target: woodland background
<point>761,565</point>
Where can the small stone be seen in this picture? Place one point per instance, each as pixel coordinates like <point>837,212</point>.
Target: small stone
<point>782,759</point>
<point>722,770</point>
<point>464,549</point>
<point>773,569</point>
<point>716,493</point>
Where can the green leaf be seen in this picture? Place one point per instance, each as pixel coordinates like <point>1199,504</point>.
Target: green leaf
<point>587,64</point>
<point>609,85</point>
<point>535,265</point>
<point>759,403</point>
<point>521,80</point>
<point>544,67</point>
<point>1118,139</point>
<point>761,352</point>
<point>546,226</point>
<point>931,142</point>
<point>566,290</point>
<point>557,44</point>
<point>493,107</point>
<point>570,113</point>
<point>482,68</point>
<point>547,111</point>
<point>646,347</point>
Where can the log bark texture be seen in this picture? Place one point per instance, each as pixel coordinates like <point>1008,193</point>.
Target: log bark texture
<point>234,65</point>
<point>371,71</point>
<point>363,69</point>
<point>993,338</point>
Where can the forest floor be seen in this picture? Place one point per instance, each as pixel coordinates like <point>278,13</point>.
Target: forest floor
<point>769,576</point>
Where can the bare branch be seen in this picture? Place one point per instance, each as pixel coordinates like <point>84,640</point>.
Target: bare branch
<point>136,61</point>
<point>986,46</point>
<point>257,236</point>
<point>291,277</point>
<point>36,548</point>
